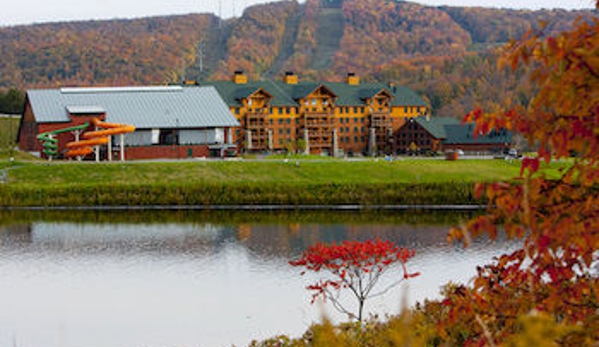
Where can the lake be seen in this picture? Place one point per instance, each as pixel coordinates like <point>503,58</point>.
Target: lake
<point>188,278</point>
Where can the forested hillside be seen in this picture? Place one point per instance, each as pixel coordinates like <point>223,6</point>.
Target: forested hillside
<point>114,52</point>
<point>443,52</point>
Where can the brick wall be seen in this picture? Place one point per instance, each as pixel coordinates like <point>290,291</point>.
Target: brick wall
<point>169,152</point>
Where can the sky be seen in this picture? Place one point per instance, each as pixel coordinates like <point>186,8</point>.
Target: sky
<point>16,12</point>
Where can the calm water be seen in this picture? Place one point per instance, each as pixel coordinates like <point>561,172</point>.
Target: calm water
<point>194,279</point>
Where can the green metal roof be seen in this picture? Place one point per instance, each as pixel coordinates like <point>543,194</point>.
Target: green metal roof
<point>452,131</point>
<point>288,94</point>
<point>436,125</point>
<point>233,93</point>
<point>352,95</point>
<point>464,134</point>
<point>405,96</point>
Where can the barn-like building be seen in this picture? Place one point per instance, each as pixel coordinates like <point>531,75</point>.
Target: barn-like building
<point>422,135</point>
<point>169,121</point>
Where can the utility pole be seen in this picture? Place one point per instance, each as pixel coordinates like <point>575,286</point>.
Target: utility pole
<point>183,67</point>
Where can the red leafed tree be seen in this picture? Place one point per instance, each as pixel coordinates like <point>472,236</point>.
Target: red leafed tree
<point>554,272</point>
<point>353,265</point>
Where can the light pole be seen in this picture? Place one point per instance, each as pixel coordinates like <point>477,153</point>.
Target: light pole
<point>177,138</point>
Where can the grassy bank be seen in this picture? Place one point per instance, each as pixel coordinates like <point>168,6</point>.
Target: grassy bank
<point>249,182</point>
<point>234,218</point>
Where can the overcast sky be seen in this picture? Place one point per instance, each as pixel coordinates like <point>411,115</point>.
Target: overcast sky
<point>14,12</point>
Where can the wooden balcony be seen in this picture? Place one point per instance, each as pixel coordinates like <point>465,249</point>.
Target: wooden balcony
<point>256,126</point>
<point>318,125</point>
<point>257,113</point>
<point>380,120</point>
<point>318,114</point>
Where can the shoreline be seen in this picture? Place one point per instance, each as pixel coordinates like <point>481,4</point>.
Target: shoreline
<point>448,207</point>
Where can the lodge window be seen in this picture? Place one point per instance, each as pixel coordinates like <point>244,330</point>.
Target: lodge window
<point>280,121</point>
<point>250,102</point>
<point>355,129</point>
<point>313,102</point>
<point>288,121</point>
<point>280,131</point>
<point>288,131</point>
<point>355,110</point>
<point>341,110</point>
<point>355,139</point>
<point>271,122</point>
<point>168,137</point>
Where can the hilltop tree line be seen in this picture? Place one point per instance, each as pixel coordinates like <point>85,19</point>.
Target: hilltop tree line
<point>11,101</point>
<point>445,53</point>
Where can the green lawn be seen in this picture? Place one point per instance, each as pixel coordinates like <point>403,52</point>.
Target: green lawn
<point>262,172</point>
<point>268,182</point>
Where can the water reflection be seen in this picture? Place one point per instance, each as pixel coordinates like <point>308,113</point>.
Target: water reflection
<point>192,279</point>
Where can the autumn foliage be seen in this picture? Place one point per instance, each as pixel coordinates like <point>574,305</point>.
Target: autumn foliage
<point>353,265</point>
<point>546,292</point>
<point>558,219</point>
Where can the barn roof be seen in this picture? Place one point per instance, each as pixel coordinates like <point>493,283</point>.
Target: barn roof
<point>452,131</point>
<point>143,107</point>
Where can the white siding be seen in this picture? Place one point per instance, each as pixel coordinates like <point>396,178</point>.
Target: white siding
<point>137,138</point>
<point>201,137</point>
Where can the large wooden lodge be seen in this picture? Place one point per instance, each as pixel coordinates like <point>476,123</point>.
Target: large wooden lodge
<point>318,118</point>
